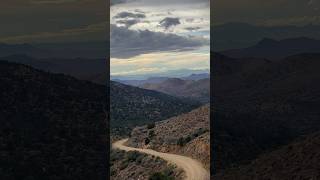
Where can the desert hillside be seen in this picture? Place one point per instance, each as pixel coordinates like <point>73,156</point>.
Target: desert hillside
<point>187,134</point>
<point>261,105</point>
<point>53,126</point>
<point>298,160</point>
<point>133,106</point>
<point>141,166</point>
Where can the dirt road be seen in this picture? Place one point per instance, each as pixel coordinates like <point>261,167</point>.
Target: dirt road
<point>193,168</point>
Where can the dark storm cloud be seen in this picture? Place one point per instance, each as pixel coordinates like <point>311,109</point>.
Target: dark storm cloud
<point>128,22</point>
<point>129,15</point>
<point>126,43</point>
<point>169,22</point>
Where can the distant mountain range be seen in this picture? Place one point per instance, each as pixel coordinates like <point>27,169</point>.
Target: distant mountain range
<point>91,50</point>
<point>141,82</point>
<point>154,80</point>
<point>273,49</point>
<point>242,35</point>
<point>178,73</point>
<point>193,89</point>
<point>262,105</point>
<point>94,70</point>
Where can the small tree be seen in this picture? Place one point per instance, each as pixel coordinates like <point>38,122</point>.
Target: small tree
<point>160,176</point>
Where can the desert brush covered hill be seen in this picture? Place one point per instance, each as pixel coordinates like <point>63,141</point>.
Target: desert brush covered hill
<point>297,160</point>
<point>261,105</point>
<point>53,126</point>
<point>187,134</point>
<point>141,166</point>
<point>133,106</point>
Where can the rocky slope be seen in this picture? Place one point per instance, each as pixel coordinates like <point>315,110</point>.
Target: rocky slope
<point>187,134</point>
<point>53,126</point>
<point>298,160</point>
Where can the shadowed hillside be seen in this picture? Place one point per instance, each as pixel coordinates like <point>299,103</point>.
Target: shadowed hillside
<point>52,126</point>
<point>261,105</point>
<point>298,160</point>
<point>94,70</point>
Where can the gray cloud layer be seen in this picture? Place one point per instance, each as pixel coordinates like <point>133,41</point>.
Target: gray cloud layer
<point>129,15</point>
<point>169,22</point>
<point>163,2</point>
<point>128,22</point>
<point>126,43</point>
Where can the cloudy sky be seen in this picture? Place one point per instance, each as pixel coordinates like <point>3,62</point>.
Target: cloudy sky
<point>153,37</point>
<point>27,21</point>
<point>267,12</point>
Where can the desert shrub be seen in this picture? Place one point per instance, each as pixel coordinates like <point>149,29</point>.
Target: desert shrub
<point>113,172</point>
<point>199,132</point>
<point>151,134</point>
<point>123,165</point>
<point>169,171</point>
<point>116,155</point>
<point>146,141</point>
<point>180,141</point>
<point>160,176</point>
<point>151,126</point>
<point>139,159</point>
<point>187,139</point>
<point>132,156</point>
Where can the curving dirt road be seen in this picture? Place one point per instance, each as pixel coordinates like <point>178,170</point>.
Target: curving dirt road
<point>193,168</point>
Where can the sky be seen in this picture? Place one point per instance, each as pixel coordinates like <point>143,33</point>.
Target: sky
<point>267,12</point>
<point>151,37</point>
<point>29,21</point>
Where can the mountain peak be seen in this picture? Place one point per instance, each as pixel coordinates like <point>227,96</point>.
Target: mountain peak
<point>267,42</point>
